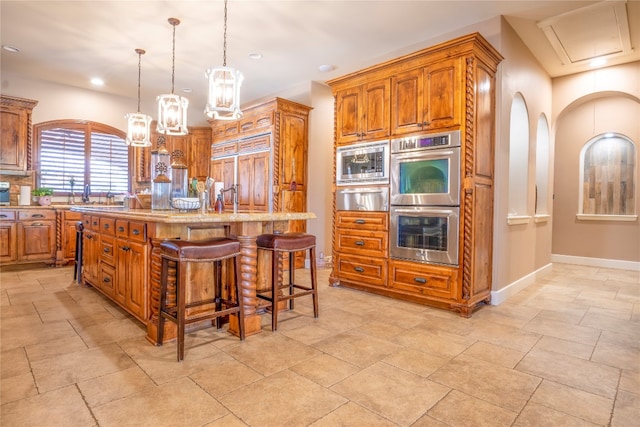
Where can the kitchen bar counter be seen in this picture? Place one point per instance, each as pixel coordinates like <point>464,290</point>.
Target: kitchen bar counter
<point>151,227</point>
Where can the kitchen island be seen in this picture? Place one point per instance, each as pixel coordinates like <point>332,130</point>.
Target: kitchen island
<point>122,259</point>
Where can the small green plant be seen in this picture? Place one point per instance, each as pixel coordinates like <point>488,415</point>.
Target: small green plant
<point>42,191</point>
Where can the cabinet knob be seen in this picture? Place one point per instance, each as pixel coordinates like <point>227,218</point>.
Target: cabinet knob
<point>106,280</point>
<point>420,280</point>
<point>120,229</point>
<point>359,269</point>
<point>136,232</point>
<point>89,236</point>
<point>105,250</point>
<point>126,248</point>
<point>106,226</point>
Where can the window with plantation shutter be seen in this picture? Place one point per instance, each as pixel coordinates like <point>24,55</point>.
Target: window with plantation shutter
<point>82,152</point>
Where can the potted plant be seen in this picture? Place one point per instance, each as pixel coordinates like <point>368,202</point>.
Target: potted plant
<point>43,194</point>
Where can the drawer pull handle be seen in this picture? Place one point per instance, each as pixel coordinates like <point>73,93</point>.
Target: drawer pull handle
<point>37,224</point>
<point>136,232</point>
<point>120,229</point>
<point>126,248</point>
<point>106,280</point>
<point>359,243</point>
<point>4,216</point>
<point>105,250</point>
<point>359,269</point>
<point>360,221</point>
<point>420,280</point>
<point>37,216</point>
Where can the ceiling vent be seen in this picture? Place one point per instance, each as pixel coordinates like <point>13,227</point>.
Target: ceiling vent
<point>590,32</point>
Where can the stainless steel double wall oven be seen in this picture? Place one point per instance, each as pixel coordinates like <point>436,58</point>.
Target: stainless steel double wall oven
<point>425,198</point>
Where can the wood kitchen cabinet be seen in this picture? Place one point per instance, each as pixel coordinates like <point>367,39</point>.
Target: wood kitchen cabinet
<point>450,86</point>
<point>265,153</point>
<point>195,148</point>
<point>363,112</point>
<point>427,98</point>
<point>36,235</point>
<point>16,133</point>
<point>8,238</point>
<point>115,261</point>
<point>361,246</point>
<point>68,245</point>
<point>90,249</point>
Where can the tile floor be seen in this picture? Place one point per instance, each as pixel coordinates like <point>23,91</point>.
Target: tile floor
<point>563,352</point>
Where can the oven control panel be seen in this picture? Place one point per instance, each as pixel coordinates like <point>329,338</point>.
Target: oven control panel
<point>426,142</point>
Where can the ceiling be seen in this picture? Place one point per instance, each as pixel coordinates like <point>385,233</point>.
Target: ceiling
<point>68,42</point>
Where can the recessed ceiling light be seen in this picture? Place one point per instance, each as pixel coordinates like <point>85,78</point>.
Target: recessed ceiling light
<point>255,55</point>
<point>596,62</point>
<point>97,81</point>
<point>11,49</point>
<point>326,68</point>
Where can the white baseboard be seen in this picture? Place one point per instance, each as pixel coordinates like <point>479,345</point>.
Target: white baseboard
<point>500,296</point>
<point>596,262</point>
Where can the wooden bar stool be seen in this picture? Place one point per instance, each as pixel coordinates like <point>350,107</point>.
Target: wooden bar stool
<point>291,243</point>
<point>182,252</point>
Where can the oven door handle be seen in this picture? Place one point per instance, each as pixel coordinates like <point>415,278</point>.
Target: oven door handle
<point>363,190</point>
<point>422,212</point>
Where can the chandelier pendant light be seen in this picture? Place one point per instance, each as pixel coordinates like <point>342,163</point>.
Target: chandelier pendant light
<point>172,109</point>
<point>138,124</point>
<point>223,101</point>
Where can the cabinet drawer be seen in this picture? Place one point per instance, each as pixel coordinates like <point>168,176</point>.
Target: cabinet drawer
<point>107,250</point>
<point>259,121</point>
<point>29,215</point>
<point>7,215</point>
<point>72,216</point>
<point>137,231</point>
<point>363,220</point>
<point>253,144</point>
<point>362,242</point>
<point>218,150</point>
<point>94,223</point>
<point>423,280</point>
<point>108,226</point>
<point>107,279</point>
<point>369,271</point>
<point>122,228</point>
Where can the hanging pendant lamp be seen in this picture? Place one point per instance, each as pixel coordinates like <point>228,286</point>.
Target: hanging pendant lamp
<point>172,109</point>
<point>223,102</point>
<point>138,124</point>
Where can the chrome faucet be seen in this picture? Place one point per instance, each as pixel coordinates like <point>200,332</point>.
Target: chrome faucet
<point>86,194</point>
<point>234,195</point>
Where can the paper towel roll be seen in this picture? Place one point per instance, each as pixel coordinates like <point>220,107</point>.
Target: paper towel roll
<point>217,187</point>
<point>25,195</point>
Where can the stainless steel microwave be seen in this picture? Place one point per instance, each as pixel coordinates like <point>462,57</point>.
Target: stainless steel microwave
<point>366,163</point>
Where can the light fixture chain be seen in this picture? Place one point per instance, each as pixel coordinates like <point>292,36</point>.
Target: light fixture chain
<point>224,45</point>
<point>139,74</point>
<point>173,58</point>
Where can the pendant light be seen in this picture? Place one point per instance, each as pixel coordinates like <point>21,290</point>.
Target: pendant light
<point>223,102</point>
<point>138,124</point>
<point>172,109</point>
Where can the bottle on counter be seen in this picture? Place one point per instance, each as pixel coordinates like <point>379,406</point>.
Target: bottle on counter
<point>219,206</point>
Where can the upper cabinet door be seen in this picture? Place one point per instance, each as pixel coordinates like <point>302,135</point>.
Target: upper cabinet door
<point>427,98</point>
<point>407,101</point>
<point>363,112</point>
<point>443,94</point>
<point>12,151</point>
<point>15,133</point>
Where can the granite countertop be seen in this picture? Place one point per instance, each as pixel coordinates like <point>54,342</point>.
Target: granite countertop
<point>37,207</point>
<point>176,217</point>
